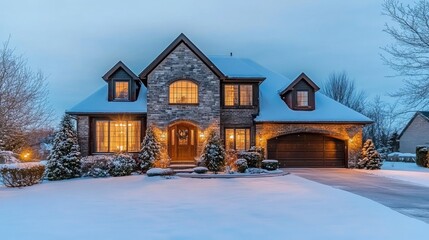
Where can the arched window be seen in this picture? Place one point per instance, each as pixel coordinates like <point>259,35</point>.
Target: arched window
<point>183,92</point>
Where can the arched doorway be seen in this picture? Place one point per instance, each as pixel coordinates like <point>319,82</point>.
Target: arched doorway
<point>182,142</point>
<point>307,150</point>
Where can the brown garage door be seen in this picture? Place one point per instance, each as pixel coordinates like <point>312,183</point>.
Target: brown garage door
<point>307,150</point>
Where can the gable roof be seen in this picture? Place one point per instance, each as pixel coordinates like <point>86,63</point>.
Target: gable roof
<point>304,77</point>
<point>119,65</point>
<point>425,116</point>
<point>98,103</point>
<point>274,109</point>
<point>180,39</point>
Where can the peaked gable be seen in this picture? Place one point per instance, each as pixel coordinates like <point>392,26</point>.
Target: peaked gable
<point>424,115</point>
<point>301,77</point>
<point>180,39</point>
<point>119,66</point>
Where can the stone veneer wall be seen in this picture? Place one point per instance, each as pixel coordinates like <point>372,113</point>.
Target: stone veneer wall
<point>348,132</point>
<point>182,63</point>
<point>83,134</point>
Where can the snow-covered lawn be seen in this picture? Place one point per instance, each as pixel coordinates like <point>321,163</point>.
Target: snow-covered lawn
<point>138,207</point>
<point>403,171</point>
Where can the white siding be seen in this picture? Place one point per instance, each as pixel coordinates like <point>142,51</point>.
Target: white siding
<point>417,133</point>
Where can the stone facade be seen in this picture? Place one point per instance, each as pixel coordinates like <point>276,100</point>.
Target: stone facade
<point>351,133</point>
<point>83,134</point>
<point>415,134</point>
<point>183,64</point>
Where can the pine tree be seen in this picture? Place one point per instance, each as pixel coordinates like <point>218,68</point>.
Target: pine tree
<point>214,154</point>
<point>64,159</point>
<point>150,151</point>
<point>370,158</point>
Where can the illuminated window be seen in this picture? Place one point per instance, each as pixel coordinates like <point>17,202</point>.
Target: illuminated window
<point>183,92</point>
<point>302,98</point>
<point>121,90</point>
<point>117,136</point>
<point>238,95</point>
<point>237,138</point>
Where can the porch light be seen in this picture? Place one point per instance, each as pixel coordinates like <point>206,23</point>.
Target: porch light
<point>163,135</point>
<point>202,135</point>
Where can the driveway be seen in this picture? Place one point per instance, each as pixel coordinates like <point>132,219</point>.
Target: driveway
<point>404,197</point>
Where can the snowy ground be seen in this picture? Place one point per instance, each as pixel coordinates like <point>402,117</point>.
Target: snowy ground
<point>403,171</point>
<point>138,207</point>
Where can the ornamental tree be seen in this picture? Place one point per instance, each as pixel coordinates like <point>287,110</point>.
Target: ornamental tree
<point>370,158</point>
<point>64,159</point>
<point>213,156</point>
<point>150,151</point>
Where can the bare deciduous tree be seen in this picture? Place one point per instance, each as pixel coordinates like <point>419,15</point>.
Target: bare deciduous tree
<point>409,55</point>
<point>23,99</point>
<point>342,89</point>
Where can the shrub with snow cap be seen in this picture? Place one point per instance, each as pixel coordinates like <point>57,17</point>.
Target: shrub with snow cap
<point>160,172</point>
<point>121,165</point>
<point>150,151</point>
<point>422,156</point>
<point>22,174</point>
<point>200,170</point>
<point>253,159</point>
<point>7,157</point>
<point>370,158</point>
<point>270,165</point>
<point>214,154</point>
<point>241,165</point>
<point>64,159</point>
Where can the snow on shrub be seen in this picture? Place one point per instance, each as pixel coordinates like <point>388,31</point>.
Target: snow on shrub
<point>64,159</point>
<point>160,172</point>
<point>270,165</point>
<point>231,157</point>
<point>256,170</point>
<point>370,158</point>
<point>213,156</point>
<point>401,157</point>
<point>253,159</point>
<point>240,165</point>
<point>200,170</point>
<point>164,160</point>
<point>96,165</point>
<point>121,165</point>
<point>422,156</point>
<point>257,149</point>
<point>150,151</point>
<point>7,157</point>
<point>22,174</point>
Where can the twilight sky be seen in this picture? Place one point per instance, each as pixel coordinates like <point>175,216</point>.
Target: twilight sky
<point>74,42</point>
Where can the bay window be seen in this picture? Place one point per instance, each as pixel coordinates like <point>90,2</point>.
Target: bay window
<point>117,136</point>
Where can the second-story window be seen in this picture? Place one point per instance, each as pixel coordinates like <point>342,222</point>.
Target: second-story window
<point>238,95</point>
<point>121,90</point>
<point>183,92</point>
<point>302,98</point>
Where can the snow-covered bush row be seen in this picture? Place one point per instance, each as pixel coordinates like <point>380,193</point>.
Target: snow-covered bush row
<point>270,165</point>
<point>241,165</point>
<point>7,157</point>
<point>22,174</point>
<point>200,170</point>
<point>122,165</point>
<point>253,159</point>
<point>160,172</point>
<point>401,157</point>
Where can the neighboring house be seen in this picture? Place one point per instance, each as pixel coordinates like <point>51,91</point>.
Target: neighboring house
<point>415,133</point>
<point>184,94</point>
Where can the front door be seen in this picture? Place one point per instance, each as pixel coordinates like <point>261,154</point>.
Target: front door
<point>182,142</point>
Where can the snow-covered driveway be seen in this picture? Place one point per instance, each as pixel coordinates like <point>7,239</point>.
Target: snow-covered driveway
<point>139,207</point>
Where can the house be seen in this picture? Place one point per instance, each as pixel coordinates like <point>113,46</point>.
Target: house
<point>184,94</point>
<point>415,133</point>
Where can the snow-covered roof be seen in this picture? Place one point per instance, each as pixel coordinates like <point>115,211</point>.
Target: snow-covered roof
<point>235,67</point>
<point>97,103</point>
<point>273,108</point>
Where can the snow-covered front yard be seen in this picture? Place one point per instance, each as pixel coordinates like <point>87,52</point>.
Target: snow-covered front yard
<point>403,171</point>
<point>138,207</point>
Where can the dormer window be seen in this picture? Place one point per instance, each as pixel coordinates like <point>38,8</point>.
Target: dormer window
<point>302,98</point>
<point>121,91</point>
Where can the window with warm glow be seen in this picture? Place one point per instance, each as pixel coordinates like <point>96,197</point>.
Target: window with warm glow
<point>121,90</point>
<point>302,98</point>
<point>237,138</point>
<point>238,95</point>
<point>183,92</point>
<point>117,136</point>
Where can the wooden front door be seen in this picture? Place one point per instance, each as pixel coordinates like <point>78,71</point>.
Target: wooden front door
<point>182,144</point>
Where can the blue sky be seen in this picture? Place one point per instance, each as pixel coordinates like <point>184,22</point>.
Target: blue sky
<point>75,42</point>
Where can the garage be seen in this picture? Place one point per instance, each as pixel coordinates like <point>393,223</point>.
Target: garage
<point>307,150</point>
